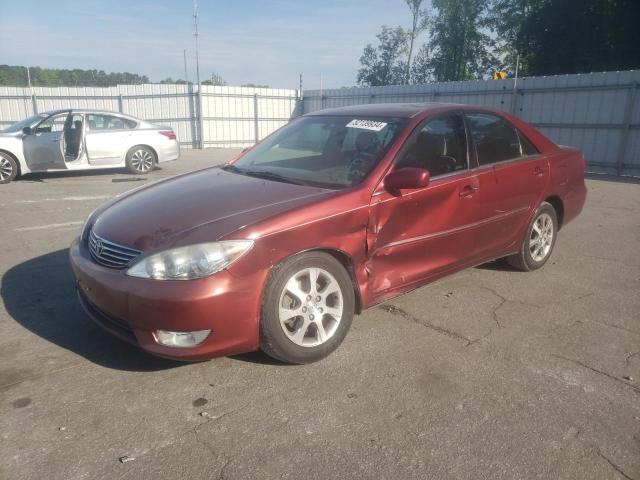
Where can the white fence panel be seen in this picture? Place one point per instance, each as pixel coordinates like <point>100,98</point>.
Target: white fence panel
<point>597,112</point>
<point>231,116</point>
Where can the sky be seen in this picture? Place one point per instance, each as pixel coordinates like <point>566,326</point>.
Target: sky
<point>245,41</point>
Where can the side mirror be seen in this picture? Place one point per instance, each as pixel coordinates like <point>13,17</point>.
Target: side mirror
<point>27,130</point>
<point>407,178</point>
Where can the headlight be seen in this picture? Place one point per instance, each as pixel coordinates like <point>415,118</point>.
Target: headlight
<point>188,263</point>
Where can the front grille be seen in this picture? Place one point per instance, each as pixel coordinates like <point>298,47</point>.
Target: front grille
<point>110,254</point>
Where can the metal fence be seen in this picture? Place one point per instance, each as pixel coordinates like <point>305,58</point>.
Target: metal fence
<point>597,112</point>
<point>231,116</point>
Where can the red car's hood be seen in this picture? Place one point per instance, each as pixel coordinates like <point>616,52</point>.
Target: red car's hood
<point>197,207</point>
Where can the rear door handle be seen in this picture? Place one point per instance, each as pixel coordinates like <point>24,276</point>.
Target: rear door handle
<point>468,190</point>
<point>538,171</point>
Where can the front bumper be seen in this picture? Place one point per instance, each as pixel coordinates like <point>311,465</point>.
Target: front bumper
<point>133,308</point>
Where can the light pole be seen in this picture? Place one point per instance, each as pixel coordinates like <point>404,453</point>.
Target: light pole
<point>195,34</point>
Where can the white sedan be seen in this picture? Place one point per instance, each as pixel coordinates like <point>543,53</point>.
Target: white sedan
<point>83,140</point>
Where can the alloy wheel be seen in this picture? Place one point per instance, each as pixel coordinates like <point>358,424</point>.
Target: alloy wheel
<point>6,168</point>
<point>541,238</point>
<point>310,307</point>
<point>142,160</point>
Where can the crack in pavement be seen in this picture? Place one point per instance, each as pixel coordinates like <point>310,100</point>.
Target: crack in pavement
<point>395,310</point>
<point>615,467</point>
<point>630,356</point>
<point>46,374</point>
<point>210,419</point>
<point>595,370</point>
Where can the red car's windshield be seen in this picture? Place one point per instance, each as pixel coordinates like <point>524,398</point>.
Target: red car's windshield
<point>330,152</point>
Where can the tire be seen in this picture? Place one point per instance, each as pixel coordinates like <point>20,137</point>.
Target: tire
<point>140,160</point>
<point>8,168</point>
<point>539,241</point>
<point>301,322</point>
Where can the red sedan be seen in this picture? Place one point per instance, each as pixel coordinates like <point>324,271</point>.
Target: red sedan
<point>335,212</point>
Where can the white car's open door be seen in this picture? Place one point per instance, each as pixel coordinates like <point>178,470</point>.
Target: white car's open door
<point>43,147</point>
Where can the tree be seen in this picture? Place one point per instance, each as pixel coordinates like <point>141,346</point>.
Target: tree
<point>421,71</point>
<point>215,80</point>
<point>418,24</point>
<point>460,47</point>
<point>507,18</point>
<point>382,65</point>
<point>573,36</point>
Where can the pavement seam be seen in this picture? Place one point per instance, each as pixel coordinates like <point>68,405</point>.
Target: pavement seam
<point>615,467</point>
<point>595,370</point>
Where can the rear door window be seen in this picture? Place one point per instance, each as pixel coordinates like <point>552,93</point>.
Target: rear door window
<point>109,122</point>
<point>496,140</point>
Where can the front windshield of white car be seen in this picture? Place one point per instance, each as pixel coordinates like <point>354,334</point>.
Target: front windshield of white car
<point>27,122</point>
<point>325,151</point>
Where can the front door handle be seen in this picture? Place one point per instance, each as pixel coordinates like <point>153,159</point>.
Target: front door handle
<point>538,171</point>
<point>468,190</point>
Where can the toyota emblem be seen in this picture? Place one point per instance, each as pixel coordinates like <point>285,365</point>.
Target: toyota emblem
<point>99,248</point>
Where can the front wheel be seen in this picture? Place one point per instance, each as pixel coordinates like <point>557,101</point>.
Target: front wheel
<point>8,168</point>
<point>140,159</point>
<point>307,308</point>
<point>539,240</point>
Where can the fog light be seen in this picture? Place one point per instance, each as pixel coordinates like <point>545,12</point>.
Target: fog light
<point>181,339</point>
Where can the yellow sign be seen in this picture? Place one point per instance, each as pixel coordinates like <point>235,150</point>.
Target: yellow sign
<point>499,75</point>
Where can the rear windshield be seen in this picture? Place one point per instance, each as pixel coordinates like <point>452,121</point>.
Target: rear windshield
<point>330,152</point>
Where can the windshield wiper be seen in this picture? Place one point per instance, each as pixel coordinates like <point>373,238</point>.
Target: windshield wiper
<point>272,176</point>
<point>229,167</point>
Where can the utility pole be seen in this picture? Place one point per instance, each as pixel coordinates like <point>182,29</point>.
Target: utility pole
<point>186,75</point>
<point>195,34</point>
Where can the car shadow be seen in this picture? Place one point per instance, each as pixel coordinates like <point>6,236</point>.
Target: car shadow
<point>500,265</point>
<point>120,174</point>
<point>612,178</point>
<point>40,295</point>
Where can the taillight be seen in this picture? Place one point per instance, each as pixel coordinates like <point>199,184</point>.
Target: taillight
<point>168,133</point>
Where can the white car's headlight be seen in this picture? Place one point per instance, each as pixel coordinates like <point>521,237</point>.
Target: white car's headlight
<point>188,263</point>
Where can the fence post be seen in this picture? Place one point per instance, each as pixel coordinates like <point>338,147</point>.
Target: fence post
<point>628,115</point>
<point>514,101</point>
<point>200,117</point>
<point>34,101</point>
<point>255,117</point>
<point>120,107</point>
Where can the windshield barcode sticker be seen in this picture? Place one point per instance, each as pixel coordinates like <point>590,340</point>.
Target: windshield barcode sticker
<point>366,125</point>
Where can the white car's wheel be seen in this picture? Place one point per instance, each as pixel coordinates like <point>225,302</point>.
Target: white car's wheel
<point>8,168</point>
<point>140,159</point>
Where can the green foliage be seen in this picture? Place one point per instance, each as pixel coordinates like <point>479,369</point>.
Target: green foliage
<point>574,36</point>
<point>53,77</point>
<point>215,80</point>
<point>419,18</point>
<point>470,38</point>
<point>384,64</point>
<point>461,48</point>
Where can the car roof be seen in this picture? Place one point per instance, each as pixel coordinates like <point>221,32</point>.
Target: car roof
<point>402,110</point>
<point>90,110</point>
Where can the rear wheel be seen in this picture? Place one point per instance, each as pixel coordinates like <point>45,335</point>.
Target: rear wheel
<point>140,159</point>
<point>539,240</point>
<point>8,168</point>
<point>307,308</point>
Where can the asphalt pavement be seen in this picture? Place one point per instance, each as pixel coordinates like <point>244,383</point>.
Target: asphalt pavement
<point>488,374</point>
